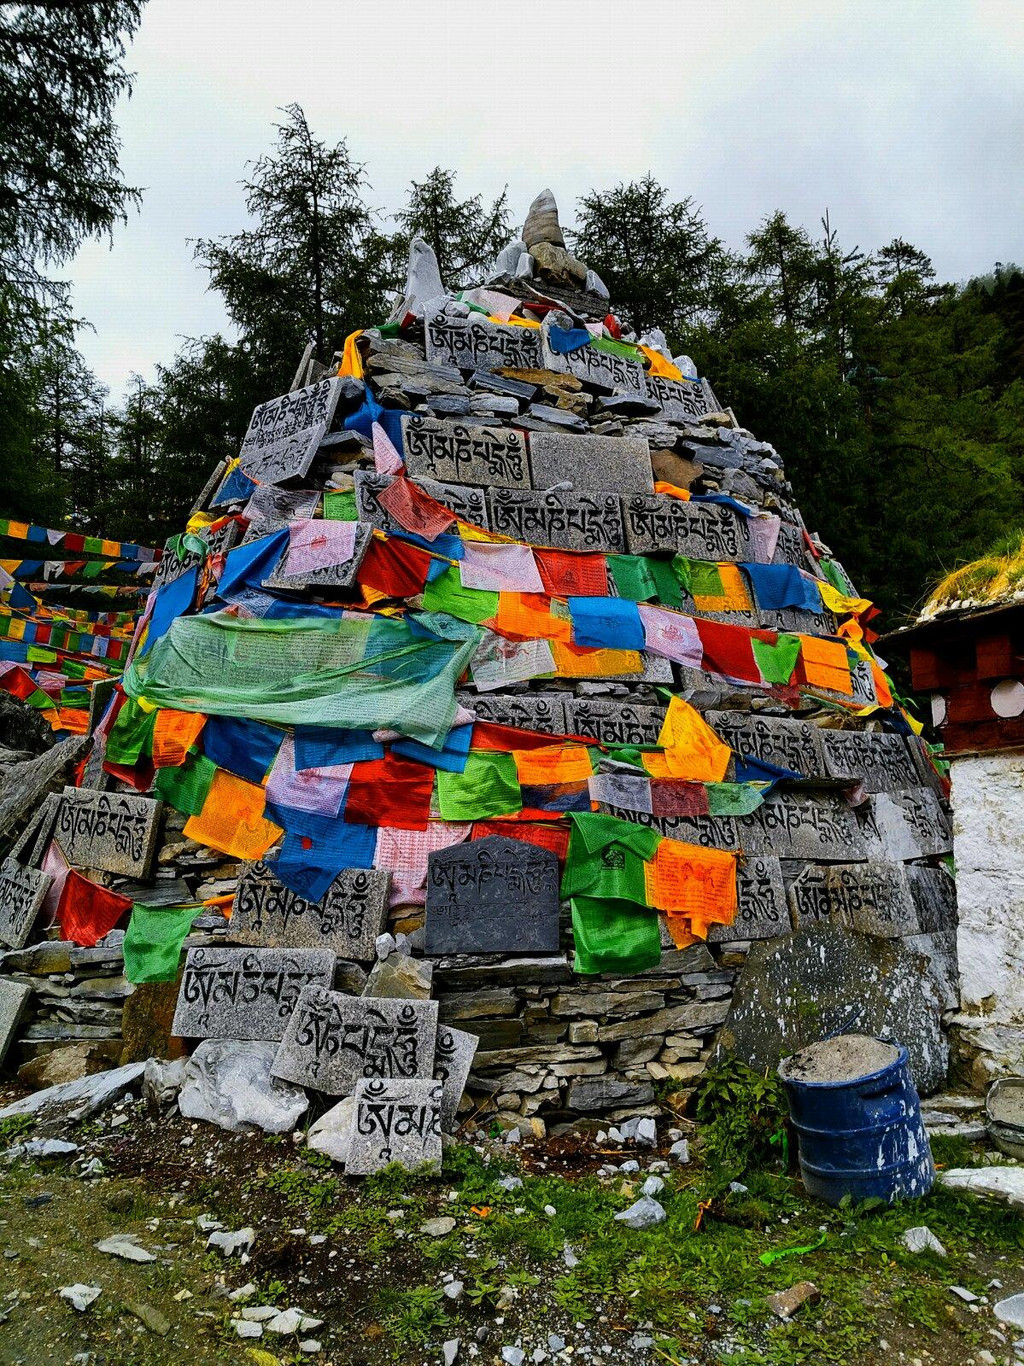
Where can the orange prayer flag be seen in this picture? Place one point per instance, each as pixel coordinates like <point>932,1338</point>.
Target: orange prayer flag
<point>825,664</point>
<point>530,616</point>
<point>882,690</point>
<point>735,596</point>
<point>174,732</point>
<point>700,884</point>
<point>679,929</point>
<point>660,366</point>
<point>576,661</point>
<point>697,752</point>
<point>232,819</point>
<point>552,764</point>
<point>73,719</point>
<point>671,490</point>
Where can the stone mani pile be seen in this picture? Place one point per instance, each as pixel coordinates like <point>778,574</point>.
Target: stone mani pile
<point>499,693</point>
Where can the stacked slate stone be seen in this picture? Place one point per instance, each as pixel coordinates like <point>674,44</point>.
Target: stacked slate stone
<point>535,434</point>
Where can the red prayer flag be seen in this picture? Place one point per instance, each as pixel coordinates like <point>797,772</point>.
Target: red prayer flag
<point>390,791</point>
<point>565,573</point>
<point>395,568</point>
<point>86,912</point>
<point>727,650</point>
<point>415,510</point>
<point>553,837</point>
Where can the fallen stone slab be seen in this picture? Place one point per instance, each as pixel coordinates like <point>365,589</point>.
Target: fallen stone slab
<point>126,1246</point>
<point>79,1296</point>
<point>40,1149</point>
<point>227,1244</point>
<point>228,1083</point>
<point>77,1100</point>
<point>1010,1310</point>
<point>644,1214</point>
<point>998,1183</point>
<point>785,1303</point>
<point>922,1239</point>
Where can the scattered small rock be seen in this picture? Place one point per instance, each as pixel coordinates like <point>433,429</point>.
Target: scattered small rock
<point>79,1296</point>
<point>245,1328</point>
<point>438,1228</point>
<point>653,1186</point>
<point>230,1243</point>
<point>922,1239</point>
<point>126,1246</point>
<point>1011,1310</point>
<point>785,1303</point>
<point>510,1183</point>
<point>453,1290</point>
<point>680,1150</point>
<point>310,1346</point>
<point>513,1356</point>
<point>962,1294</point>
<point>151,1318</point>
<point>450,1349</point>
<point>644,1214</point>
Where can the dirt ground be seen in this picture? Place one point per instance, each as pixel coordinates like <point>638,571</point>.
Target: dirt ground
<point>543,1259</point>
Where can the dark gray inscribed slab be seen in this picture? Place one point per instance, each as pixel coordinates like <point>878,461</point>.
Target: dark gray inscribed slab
<point>881,763</point>
<point>346,920</point>
<point>526,711</point>
<point>793,826</point>
<point>599,369</point>
<point>108,830</point>
<point>870,897</point>
<point>591,462</point>
<point>395,1121</point>
<point>905,825</point>
<point>474,344</point>
<point>494,895</point>
<point>453,1060</point>
<point>271,508</point>
<point>569,521</point>
<point>333,576</point>
<point>762,911</point>
<point>284,434</point>
<point>245,993</point>
<point>490,456</point>
<point>701,531</point>
<point>684,400</point>
<point>333,1040</point>
<point>787,744</point>
<point>22,891</point>
<point>468,503</point>
<point>613,721</point>
<point>934,893</point>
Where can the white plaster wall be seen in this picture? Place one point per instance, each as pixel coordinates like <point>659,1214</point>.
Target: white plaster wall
<point>988,844</point>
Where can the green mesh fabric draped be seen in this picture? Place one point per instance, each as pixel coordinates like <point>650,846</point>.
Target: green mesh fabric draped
<point>354,672</point>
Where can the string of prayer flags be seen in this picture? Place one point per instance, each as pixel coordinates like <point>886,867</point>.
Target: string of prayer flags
<point>308,789</point>
<point>693,884</point>
<point>498,662</point>
<point>186,786</point>
<point>614,936</point>
<point>452,756</point>
<point>413,509</point>
<point>75,541</point>
<point>498,568</point>
<point>532,616</point>
<point>553,764</point>
<point>488,786</point>
<point>232,819</point>
<point>87,912</point>
<point>727,651</point>
<point>153,941</point>
<point>612,623</point>
<point>573,661</point>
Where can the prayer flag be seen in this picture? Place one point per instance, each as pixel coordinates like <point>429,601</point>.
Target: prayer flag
<point>86,912</point>
<point>232,819</point>
<point>498,568</point>
<point>153,941</point>
<point>614,936</point>
<point>488,786</point>
<point>612,623</point>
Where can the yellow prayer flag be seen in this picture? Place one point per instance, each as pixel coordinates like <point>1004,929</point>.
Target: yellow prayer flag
<point>696,749</point>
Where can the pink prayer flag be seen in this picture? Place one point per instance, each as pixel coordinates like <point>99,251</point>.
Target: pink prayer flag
<point>307,789</point>
<point>498,661</point>
<point>386,459</point>
<point>500,568</point>
<point>415,510</point>
<point>671,635</point>
<point>403,853</point>
<point>764,533</point>
<point>317,544</point>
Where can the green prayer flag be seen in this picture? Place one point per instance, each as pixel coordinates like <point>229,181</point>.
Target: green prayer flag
<point>614,936</point>
<point>776,661</point>
<point>153,940</point>
<point>340,506</point>
<point>705,580</point>
<point>132,734</point>
<point>607,858</point>
<point>667,586</point>
<point>597,829</point>
<point>836,577</point>
<point>733,799</point>
<point>446,594</point>
<point>618,348</point>
<point>185,788</point>
<point>681,567</point>
<point>632,577</point>
<point>488,786</point>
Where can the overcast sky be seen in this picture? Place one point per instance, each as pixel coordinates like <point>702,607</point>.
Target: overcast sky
<point>902,117</point>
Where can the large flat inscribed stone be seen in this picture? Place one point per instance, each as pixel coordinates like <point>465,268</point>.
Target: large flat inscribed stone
<point>568,521</point>
<point>792,826</point>
<point>870,897</point>
<point>600,370</point>
<point>466,454</point>
<point>700,531</point>
<point>685,400</point>
<point>332,1041</point>
<point>495,895</point>
<point>710,832</point>
<point>13,996</point>
<point>474,344</point>
<point>790,548</point>
<point>285,433</point>
<point>108,830</point>
<point>346,920</point>
<point>245,993</point>
<point>591,462</point>
<point>798,989</point>
<point>762,910</point>
<point>333,576</point>
<point>271,508</point>
<point>882,763</point>
<point>22,891</point>
<point>543,711</point>
<point>905,825</point>
<point>395,1121</point>
<point>453,1059</point>
<point>788,744</point>
<point>613,722</point>
<point>934,893</point>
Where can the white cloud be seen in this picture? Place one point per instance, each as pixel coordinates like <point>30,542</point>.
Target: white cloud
<point>901,119</point>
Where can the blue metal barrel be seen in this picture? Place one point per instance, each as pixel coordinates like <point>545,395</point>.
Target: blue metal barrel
<point>862,1137</point>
